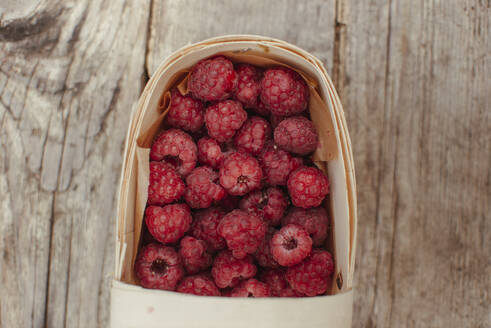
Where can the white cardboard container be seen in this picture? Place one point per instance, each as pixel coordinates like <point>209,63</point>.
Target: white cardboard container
<point>134,306</point>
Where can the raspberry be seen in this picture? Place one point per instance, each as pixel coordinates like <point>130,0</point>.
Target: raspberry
<point>227,271</point>
<point>202,188</point>
<point>210,152</point>
<point>307,186</point>
<point>169,223</point>
<point>263,253</point>
<point>253,135</point>
<point>275,279</point>
<point>177,148</point>
<point>158,267</point>
<point>205,226</point>
<point>251,288</point>
<point>290,245</point>
<point>185,112</point>
<point>277,164</point>
<point>242,231</point>
<point>249,85</point>
<point>223,119</point>
<point>296,134</point>
<point>198,285</point>
<point>213,79</point>
<point>261,108</point>
<point>194,255</point>
<point>314,220</point>
<point>312,276</point>
<point>269,204</point>
<point>284,91</point>
<point>240,173</point>
<point>165,185</point>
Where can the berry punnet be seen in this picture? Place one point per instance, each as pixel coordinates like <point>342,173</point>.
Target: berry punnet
<point>269,204</point>
<point>249,85</point>
<point>169,223</point>
<point>307,186</point>
<point>210,153</point>
<point>205,226</point>
<point>227,271</point>
<point>158,267</point>
<point>314,220</point>
<point>203,188</point>
<point>284,91</point>
<point>251,288</point>
<point>165,185</point>
<point>194,254</point>
<point>224,118</point>
<point>253,135</point>
<point>242,231</point>
<point>185,112</point>
<point>290,245</point>
<point>277,164</point>
<point>240,173</point>
<point>198,285</point>
<point>177,148</point>
<point>213,79</point>
<point>296,134</point>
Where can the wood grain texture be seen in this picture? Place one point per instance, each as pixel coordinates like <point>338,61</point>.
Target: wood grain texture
<point>414,79</point>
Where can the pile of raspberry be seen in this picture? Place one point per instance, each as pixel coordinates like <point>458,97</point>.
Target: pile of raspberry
<point>235,206</point>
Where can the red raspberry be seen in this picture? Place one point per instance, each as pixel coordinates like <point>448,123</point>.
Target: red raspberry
<point>213,79</point>
<point>242,231</point>
<point>185,112</point>
<point>296,134</point>
<point>269,204</point>
<point>275,279</point>
<point>198,285</point>
<point>194,254</point>
<point>253,135</point>
<point>314,220</point>
<point>158,267</point>
<point>210,153</point>
<point>203,188</point>
<point>227,271</point>
<point>284,91</point>
<point>312,276</point>
<point>240,173</point>
<point>249,85</point>
<point>169,223</point>
<point>290,245</point>
<point>165,185</point>
<point>223,119</point>
<point>205,226</point>
<point>177,148</point>
<point>277,164</point>
<point>251,288</point>
<point>263,253</point>
<point>261,108</point>
<point>307,186</point>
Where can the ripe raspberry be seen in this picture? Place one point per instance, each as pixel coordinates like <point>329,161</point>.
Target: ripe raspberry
<point>253,135</point>
<point>198,285</point>
<point>296,134</point>
<point>312,276</point>
<point>227,271</point>
<point>249,85</point>
<point>177,148</point>
<point>203,188</point>
<point>210,153</point>
<point>261,108</point>
<point>284,91</point>
<point>240,173</point>
<point>223,119</point>
<point>251,288</point>
<point>307,186</point>
<point>158,267</point>
<point>205,226</point>
<point>213,79</point>
<point>268,203</point>
<point>275,279</point>
<point>185,112</point>
<point>165,185</point>
<point>263,253</point>
<point>194,255</point>
<point>277,164</point>
<point>242,231</point>
<point>169,223</point>
<point>314,220</point>
<point>290,245</point>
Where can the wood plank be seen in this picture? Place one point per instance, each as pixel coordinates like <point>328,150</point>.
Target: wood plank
<point>69,76</point>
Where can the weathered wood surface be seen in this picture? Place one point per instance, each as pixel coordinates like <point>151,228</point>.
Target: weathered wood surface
<point>415,80</point>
